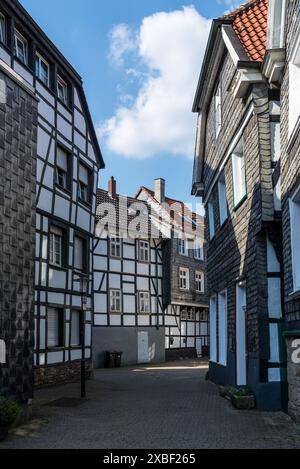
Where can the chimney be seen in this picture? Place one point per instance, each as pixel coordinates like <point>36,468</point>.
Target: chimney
<point>159,185</point>
<point>112,187</point>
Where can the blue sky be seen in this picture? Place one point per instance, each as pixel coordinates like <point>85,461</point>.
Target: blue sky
<point>140,60</point>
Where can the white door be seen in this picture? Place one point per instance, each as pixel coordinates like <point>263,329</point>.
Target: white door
<point>241,347</point>
<point>143,347</point>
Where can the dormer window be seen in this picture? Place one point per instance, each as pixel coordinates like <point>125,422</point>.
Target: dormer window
<point>21,48</point>
<point>218,109</point>
<point>62,90</point>
<point>42,69</point>
<point>2,29</point>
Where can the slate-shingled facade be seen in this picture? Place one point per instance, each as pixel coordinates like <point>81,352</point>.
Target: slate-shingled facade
<point>235,173</point>
<point>18,139</point>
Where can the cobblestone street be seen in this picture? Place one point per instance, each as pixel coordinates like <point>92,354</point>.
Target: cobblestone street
<point>167,406</point>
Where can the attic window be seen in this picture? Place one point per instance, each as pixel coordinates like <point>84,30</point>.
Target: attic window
<point>62,90</point>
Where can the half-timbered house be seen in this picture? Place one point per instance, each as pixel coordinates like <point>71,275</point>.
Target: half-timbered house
<point>68,160</point>
<point>128,273</point>
<point>184,286</point>
<point>236,174</point>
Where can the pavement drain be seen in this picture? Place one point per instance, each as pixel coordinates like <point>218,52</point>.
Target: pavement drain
<point>66,402</point>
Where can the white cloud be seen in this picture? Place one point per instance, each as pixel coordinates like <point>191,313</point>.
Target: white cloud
<point>122,41</point>
<point>170,49</point>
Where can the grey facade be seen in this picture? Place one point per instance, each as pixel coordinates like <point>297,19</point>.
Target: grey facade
<point>235,174</point>
<point>68,160</point>
<point>18,141</point>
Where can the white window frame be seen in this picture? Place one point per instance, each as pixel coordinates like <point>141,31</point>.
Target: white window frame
<point>222,328</point>
<point>19,37</point>
<point>238,163</point>
<point>213,329</point>
<point>64,171</point>
<point>115,247</point>
<point>40,59</point>
<point>294,89</point>
<point>144,251</point>
<point>199,281</point>
<point>144,302</point>
<point>211,219</point>
<point>115,297</point>
<point>83,186</point>
<point>64,96</point>
<point>223,209</point>
<point>56,239</point>
<point>218,109</point>
<point>184,278</point>
<point>294,204</point>
<point>2,29</point>
<point>198,251</point>
<point>182,247</point>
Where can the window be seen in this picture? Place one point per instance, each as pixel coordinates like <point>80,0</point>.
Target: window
<point>56,246</point>
<point>211,220</point>
<point>238,174</point>
<point>115,301</point>
<point>144,302</point>
<point>80,248</point>
<point>21,48</point>
<point>144,251</point>
<point>2,29</point>
<point>213,329</point>
<point>76,324</point>
<point>182,247</point>
<point>62,168</point>
<point>218,109</point>
<point>222,200</point>
<point>222,327</point>
<point>184,278</point>
<point>42,69</point>
<point>55,327</point>
<point>115,247</point>
<point>198,251</point>
<point>295,238</point>
<point>62,90</point>
<point>83,183</point>
<point>199,280</point>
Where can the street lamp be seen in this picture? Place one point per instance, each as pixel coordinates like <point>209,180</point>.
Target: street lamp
<point>84,282</point>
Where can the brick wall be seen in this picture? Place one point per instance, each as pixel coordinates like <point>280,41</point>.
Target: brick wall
<point>18,136</point>
<point>61,374</point>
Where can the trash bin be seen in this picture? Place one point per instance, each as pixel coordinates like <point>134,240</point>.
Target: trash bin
<point>110,360</point>
<point>118,359</point>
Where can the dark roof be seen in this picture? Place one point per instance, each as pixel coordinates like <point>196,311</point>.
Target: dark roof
<point>120,214</point>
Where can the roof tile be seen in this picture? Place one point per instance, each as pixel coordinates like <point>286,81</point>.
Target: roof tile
<point>250,25</point>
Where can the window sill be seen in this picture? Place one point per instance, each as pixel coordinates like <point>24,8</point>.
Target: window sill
<point>293,136</point>
<point>60,348</point>
<point>240,203</point>
<point>58,267</point>
<point>64,189</point>
<point>84,203</point>
<point>294,295</point>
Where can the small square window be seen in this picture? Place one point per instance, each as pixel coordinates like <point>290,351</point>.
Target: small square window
<point>21,47</point>
<point>184,278</point>
<point>144,302</point>
<point>42,69</point>
<point>182,247</point>
<point>62,90</point>
<point>115,301</point>
<point>144,254</point>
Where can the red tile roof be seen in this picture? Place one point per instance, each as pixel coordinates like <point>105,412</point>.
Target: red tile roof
<point>250,23</point>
